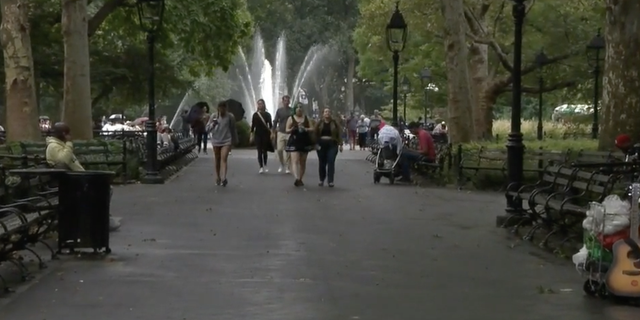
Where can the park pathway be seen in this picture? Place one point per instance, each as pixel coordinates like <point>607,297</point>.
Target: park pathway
<point>261,249</point>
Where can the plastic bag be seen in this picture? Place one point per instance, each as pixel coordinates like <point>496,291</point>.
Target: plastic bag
<point>615,219</point>
<point>581,257</point>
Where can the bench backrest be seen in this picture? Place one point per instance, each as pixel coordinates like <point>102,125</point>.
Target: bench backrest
<point>492,154</point>
<point>558,175</point>
<point>594,157</point>
<point>548,157</point>
<point>594,186</point>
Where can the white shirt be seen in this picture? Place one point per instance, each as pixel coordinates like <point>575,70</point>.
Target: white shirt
<point>439,129</point>
<point>390,135</point>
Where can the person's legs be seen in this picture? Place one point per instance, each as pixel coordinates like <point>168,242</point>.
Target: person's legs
<point>322,162</point>
<point>407,159</point>
<point>205,136</point>
<point>352,139</point>
<point>199,142</point>
<point>362,140</point>
<point>281,142</point>
<point>216,162</point>
<point>260,155</point>
<point>295,160</point>
<point>265,157</point>
<point>332,153</point>
<point>224,167</point>
<point>303,165</point>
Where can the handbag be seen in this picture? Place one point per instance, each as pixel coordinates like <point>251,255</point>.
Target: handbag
<point>270,147</point>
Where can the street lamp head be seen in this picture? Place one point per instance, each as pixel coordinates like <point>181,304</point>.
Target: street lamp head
<point>396,31</point>
<point>541,59</point>
<point>425,74</point>
<point>406,85</point>
<point>594,47</point>
<point>150,13</point>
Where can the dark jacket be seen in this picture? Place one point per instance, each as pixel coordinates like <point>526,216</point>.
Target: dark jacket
<point>336,130</point>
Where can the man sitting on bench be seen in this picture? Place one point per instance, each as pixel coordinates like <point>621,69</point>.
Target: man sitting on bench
<point>59,154</point>
<point>426,151</point>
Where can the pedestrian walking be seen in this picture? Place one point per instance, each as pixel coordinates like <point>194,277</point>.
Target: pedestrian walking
<point>299,144</point>
<point>328,136</point>
<point>222,127</point>
<point>281,136</point>
<point>261,126</point>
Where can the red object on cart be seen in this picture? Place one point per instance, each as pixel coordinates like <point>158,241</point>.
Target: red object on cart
<point>608,240</point>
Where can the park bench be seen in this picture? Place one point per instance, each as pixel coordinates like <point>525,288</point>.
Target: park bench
<point>564,211</point>
<point>537,160</point>
<point>95,154</point>
<point>436,169</point>
<point>554,178</point>
<point>25,222</point>
<point>486,159</point>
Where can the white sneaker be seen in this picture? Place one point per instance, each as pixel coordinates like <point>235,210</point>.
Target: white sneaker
<point>280,169</point>
<point>266,169</point>
<point>287,171</point>
<point>261,171</point>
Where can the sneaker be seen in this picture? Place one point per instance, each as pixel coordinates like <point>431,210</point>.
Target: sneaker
<point>321,184</point>
<point>280,169</point>
<point>331,184</point>
<point>114,224</point>
<point>261,171</point>
<point>266,169</point>
<point>287,171</point>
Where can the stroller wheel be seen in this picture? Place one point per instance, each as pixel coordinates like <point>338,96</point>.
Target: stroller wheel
<point>590,287</point>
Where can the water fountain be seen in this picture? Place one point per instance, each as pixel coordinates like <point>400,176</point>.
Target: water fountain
<point>263,80</point>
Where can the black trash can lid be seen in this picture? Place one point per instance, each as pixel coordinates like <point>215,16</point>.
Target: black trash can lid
<point>91,173</point>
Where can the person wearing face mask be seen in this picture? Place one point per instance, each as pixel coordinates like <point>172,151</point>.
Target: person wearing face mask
<point>328,137</point>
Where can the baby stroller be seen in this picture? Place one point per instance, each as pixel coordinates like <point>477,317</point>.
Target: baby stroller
<point>386,164</point>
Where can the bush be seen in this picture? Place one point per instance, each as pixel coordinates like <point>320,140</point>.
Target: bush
<point>244,131</point>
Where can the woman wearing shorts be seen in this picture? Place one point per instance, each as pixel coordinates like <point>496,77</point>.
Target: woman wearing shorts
<point>223,136</point>
<point>299,143</point>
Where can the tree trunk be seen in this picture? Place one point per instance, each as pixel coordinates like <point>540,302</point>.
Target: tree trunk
<point>621,82</point>
<point>459,95</point>
<point>77,83</point>
<point>21,103</point>
<point>479,74</point>
<point>351,71</point>
<point>488,98</point>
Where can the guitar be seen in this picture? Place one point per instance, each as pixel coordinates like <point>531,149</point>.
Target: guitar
<point>623,277</point>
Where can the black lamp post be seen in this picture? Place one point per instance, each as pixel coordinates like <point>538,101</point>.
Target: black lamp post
<point>150,14</point>
<point>396,40</point>
<point>515,147</point>
<point>541,61</point>
<point>406,88</point>
<point>594,57</point>
<point>425,78</point>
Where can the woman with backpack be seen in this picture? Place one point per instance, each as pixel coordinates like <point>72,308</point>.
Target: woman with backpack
<point>261,126</point>
<point>299,144</point>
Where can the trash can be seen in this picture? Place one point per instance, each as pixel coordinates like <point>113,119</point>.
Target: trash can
<point>83,218</point>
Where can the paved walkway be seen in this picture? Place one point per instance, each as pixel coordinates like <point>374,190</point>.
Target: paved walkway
<point>262,249</point>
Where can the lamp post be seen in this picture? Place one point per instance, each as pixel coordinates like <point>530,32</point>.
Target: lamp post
<point>541,61</point>
<point>425,79</point>
<point>396,40</point>
<point>406,88</point>
<point>150,14</point>
<point>515,147</point>
<point>594,57</point>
